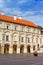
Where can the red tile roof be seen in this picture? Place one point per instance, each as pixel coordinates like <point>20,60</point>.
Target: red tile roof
<point>17,21</point>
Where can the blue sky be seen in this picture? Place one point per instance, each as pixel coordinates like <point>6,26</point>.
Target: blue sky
<point>29,9</point>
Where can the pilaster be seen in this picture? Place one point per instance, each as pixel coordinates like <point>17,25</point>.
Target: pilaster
<point>2,49</point>
<point>10,49</point>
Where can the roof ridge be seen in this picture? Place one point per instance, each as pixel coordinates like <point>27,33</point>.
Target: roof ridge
<point>18,21</point>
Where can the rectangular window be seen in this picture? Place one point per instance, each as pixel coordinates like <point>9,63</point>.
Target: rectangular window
<point>34,30</point>
<point>22,28</point>
<point>7,38</point>
<point>29,29</point>
<point>33,47</point>
<point>22,39</point>
<point>15,27</point>
<point>28,40</point>
<point>7,26</point>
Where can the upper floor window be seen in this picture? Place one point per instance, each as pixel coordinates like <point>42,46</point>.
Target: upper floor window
<point>34,30</point>
<point>7,37</point>
<point>7,26</point>
<point>22,39</point>
<point>33,47</point>
<point>28,40</point>
<point>15,27</point>
<point>36,40</point>
<point>28,29</point>
<point>22,28</point>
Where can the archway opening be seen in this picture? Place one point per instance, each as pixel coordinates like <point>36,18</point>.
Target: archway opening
<point>6,48</point>
<point>14,49</point>
<point>22,49</point>
<point>33,47</point>
<point>28,49</point>
<point>0,49</point>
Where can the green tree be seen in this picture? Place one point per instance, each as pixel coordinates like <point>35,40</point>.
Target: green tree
<point>41,28</point>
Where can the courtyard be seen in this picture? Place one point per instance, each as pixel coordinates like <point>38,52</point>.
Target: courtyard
<point>21,59</point>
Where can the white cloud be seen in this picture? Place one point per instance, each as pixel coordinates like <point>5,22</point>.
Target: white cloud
<point>28,15</point>
<point>37,19</point>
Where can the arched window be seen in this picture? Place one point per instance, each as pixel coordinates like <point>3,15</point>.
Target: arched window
<point>7,37</point>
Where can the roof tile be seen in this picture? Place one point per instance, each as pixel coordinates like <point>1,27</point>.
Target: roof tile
<point>17,21</point>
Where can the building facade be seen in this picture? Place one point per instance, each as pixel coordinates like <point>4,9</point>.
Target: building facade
<point>19,36</point>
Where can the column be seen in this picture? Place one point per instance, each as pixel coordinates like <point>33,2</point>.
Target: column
<point>2,49</point>
<point>11,49</point>
<point>25,49</point>
<point>41,50</point>
<point>18,49</point>
<point>36,47</point>
<point>31,49</point>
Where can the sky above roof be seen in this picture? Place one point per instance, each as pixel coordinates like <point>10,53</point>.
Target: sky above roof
<point>29,9</point>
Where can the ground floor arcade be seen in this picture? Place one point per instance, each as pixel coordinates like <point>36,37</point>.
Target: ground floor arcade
<point>8,49</point>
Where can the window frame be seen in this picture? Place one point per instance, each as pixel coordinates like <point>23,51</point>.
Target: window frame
<point>7,37</point>
<point>22,39</point>
<point>28,40</point>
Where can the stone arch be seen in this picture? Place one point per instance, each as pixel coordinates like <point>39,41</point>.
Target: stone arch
<point>33,47</point>
<point>28,48</point>
<point>14,48</point>
<point>22,49</point>
<point>6,48</point>
<point>7,33</point>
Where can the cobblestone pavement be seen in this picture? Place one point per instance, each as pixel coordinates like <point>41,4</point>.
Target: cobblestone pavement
<point>21,59</point>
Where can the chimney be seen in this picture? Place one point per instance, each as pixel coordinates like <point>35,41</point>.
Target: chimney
<point>15,17</point>
<point>19,17</point>
<point>2,13</point>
